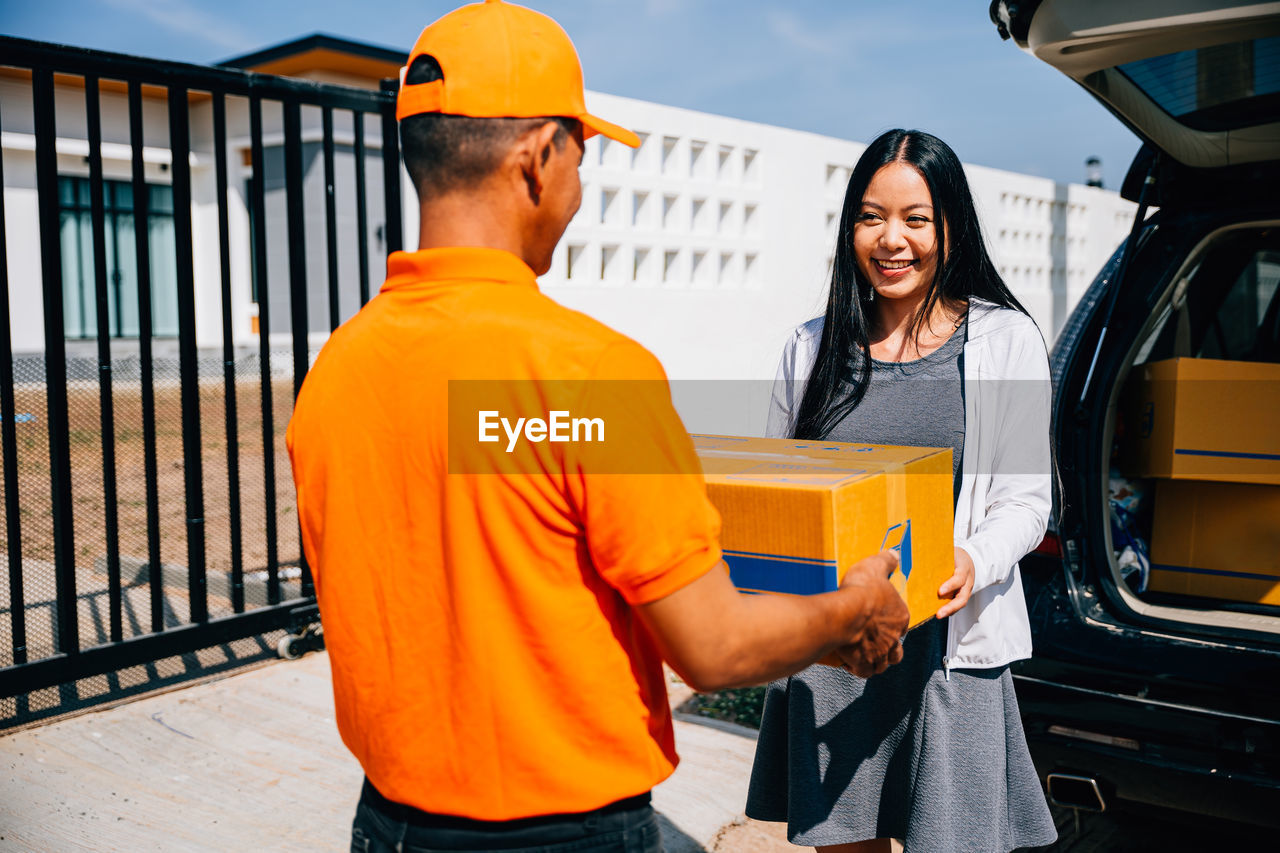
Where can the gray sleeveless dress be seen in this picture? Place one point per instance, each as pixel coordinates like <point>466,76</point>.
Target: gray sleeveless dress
<point>941,764</point>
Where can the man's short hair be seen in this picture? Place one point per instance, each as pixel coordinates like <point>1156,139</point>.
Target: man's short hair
<point>448,152</point>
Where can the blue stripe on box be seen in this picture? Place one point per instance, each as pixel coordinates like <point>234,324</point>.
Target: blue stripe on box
<point>776,573</point>
<point>1228,454</point>
<point>1220,572</point>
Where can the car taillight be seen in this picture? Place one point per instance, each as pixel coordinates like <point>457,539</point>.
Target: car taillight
<point>1050,546</point>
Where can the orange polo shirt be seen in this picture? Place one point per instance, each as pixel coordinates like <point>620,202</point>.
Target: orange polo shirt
<point>486,658</point>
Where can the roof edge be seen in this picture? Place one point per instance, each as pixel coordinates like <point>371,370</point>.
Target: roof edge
<point>315,41</point>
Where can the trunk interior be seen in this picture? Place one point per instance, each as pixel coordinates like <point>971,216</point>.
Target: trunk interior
<point>1192,485</point>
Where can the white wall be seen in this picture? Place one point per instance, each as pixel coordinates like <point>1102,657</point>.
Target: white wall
<point>1048,239</point>
<point>713,285</point>
<point>22,244</point>
<point>733,242</point>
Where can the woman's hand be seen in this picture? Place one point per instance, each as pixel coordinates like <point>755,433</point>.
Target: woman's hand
<point>958,586</point>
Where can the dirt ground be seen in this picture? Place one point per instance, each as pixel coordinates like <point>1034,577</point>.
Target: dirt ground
<point>130,509</point>
<point>91,511</point>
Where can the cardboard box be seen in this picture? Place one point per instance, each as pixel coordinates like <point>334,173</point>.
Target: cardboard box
<point>796,514</point>
<point>1203,419</point>
<point>1217,540</point>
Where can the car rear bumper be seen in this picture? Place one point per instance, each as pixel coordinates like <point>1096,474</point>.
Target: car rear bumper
<point>1167,757</point>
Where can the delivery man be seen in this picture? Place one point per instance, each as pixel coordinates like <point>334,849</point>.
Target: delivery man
<point>497,638</point>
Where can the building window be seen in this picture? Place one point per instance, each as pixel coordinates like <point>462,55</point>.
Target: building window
<point>699,161</point>
<point>724,169</point>
<point>641,269</point>
<point>640,210</point>
<point>79,293</point>
<point>669,260</point>
<point>701,216</point>
<point>669,212</point>
<point>608,262</point>
<point>642,157</point>
<point>574,258</point>
<point>669,159</point>
<point>610,208</point>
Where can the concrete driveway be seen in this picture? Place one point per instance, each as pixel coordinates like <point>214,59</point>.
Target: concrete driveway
<point>253,761</point>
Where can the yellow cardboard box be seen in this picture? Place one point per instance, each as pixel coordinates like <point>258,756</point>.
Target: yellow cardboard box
<point>1204,419</point>
<point>1217,540</point>
<point>797,514</point>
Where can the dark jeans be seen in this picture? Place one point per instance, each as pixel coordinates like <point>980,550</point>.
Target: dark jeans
<point>628,826</point>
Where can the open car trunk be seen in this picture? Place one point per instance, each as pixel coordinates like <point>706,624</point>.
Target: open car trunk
<point>1191,482</point>
<point>1183,381</point>
<point>1155,603</point>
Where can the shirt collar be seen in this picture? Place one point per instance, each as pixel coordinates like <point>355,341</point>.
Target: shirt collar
<point>457,264</point>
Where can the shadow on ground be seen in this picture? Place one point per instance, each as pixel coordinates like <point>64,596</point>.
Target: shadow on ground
<point>134,682</point>
<point>676,841</point>
<point>134,611</point>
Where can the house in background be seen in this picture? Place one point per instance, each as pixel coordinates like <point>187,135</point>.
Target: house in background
<point>17,139</point>
<point>708,244</point>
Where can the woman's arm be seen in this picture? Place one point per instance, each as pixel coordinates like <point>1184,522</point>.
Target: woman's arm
<point>786,392</point>
<point>1019,493</point>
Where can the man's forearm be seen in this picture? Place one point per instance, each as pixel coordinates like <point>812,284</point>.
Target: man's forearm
<point>716,637</point>
<point>777,635</point>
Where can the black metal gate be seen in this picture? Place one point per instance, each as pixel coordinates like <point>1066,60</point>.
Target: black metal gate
<point>143,472</point>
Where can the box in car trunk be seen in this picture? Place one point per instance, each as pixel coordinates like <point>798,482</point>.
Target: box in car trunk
<point>1217,540</point>
<point>1203,419</point>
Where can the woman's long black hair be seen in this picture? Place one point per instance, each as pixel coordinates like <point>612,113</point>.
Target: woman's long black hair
<point>840,374</point>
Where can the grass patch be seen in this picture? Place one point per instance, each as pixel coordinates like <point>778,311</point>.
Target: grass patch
<point>742,706</point>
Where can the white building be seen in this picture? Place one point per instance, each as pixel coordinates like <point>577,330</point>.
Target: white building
<point>708,244</point>
<point>713,240</point>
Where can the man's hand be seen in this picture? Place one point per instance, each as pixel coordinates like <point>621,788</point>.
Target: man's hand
<point>717,638</point>
<point>877,643</point>
<point>958,587</point>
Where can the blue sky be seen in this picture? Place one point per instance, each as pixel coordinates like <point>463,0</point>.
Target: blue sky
<point>845,68</point>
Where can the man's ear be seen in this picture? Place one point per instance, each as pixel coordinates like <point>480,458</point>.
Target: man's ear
<point>533,151</point>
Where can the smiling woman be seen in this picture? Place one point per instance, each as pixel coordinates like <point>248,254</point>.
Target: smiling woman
<point>907,196</point>
<point>931,751</point>
<point>894,238</point>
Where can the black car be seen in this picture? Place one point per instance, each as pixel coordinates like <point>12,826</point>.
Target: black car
<point>1145,694</point>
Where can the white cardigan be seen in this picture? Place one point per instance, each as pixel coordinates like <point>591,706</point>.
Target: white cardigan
<point>1005,486</point>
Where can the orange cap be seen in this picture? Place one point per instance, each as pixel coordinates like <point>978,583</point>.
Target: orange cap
<point>500,60</point>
